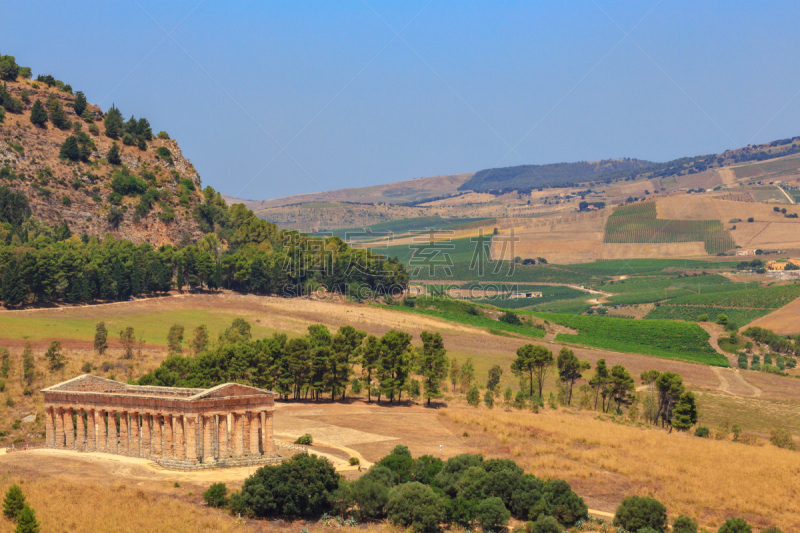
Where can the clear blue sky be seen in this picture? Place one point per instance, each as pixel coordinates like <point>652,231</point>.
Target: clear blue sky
<point>270,98</point>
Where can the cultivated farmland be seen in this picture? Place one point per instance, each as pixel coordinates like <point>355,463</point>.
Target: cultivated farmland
<point>663,338</point>
<point>638,223</point>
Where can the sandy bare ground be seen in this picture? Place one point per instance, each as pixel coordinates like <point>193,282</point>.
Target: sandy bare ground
<point>783,321</point>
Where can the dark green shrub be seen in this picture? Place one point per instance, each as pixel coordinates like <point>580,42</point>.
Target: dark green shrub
<point>684,524</point>
<point>425,468</point>
<point>305,440</point>
<point>702,432</point>
<point>452,470</point>
<point>462,512</point>
<point>559,501</point>
<point>416,505</point>
<point>491,514</point>
<point>399,462</point>
<point>545,524</point>
<point>636,512</point>
<point>510,318</point>
<point>369,494</point>
<point>128,184</point>
<point>216,495</point>
<point>474,396</point>
<point>302,486</point>
<point>526,495</point>
<point>735,525</point>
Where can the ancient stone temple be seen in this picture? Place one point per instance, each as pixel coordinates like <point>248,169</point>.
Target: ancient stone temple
<point>227,425</point>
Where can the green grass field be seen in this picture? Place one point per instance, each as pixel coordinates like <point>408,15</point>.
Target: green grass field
<point>662,338</point>
<point>550,293</point>
<point>457,311</point>
<point>152,325</point>
<point>749,297</point>
<point>638,223</point>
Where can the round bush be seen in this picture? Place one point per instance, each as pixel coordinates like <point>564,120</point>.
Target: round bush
<point>305,440</point>
<point>637,512</point>
<point>684,524</point>
<point>735,525</point>
<point>546,524</point>
<point>416,505</point>
<point>216,495</point>
<point>491,514</point>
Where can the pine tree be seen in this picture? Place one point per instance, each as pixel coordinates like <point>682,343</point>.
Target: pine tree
<point>38,114</point>
<point>114,123</point>
<point>179,276</point>
<point>80,103</point>
<point>70,150</point>
<point>13,291</point>
<point>55,356</point>
<point>28,368</point>
<point>685,413</point>
<point>14,502</point>
<point>433,364</point>
<point>26,522</point>
<point>58,117</point>
<point>101,338</point>
<point>113,155</point>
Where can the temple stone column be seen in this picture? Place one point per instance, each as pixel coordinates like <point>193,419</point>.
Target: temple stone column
<point>269,444</point>
<point>80,441</point>
<point>208,434</point>
<point>59,433</point>
<point>169,428</point>
<point>111,439</point>
<point>253,432</point>
<point>100,422</point>
<point>135,444</point>
<point>69,429</point>
<point>246,433</point>
<point>49,427</point>
<point>146,449</point>
<point>179,450</point>
<point>263,437</point>
<point>157,435</point>
<point>191,438</point>
<point>222,439</point>
<point>91,430</point>
<point>238,435</point>
<point>123,433</point>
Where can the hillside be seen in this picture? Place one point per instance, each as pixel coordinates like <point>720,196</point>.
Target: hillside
<point>156,187</point>
<point>526,177</point>
<point>401,192</point>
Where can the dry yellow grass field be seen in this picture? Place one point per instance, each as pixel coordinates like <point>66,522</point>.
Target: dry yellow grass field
<point>783,321</point>
<point>708,479</point>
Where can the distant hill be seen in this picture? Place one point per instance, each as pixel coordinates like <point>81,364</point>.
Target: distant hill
<point>55,148</point>
<point>527,177</point>
<point>408,192</point>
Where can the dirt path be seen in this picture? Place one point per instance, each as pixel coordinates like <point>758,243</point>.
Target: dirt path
<point>732,382</point>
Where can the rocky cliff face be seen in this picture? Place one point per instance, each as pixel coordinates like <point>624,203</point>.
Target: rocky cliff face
<point>79,193</point>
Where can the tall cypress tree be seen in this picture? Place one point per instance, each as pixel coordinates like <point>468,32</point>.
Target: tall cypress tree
<point>38,114</point>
